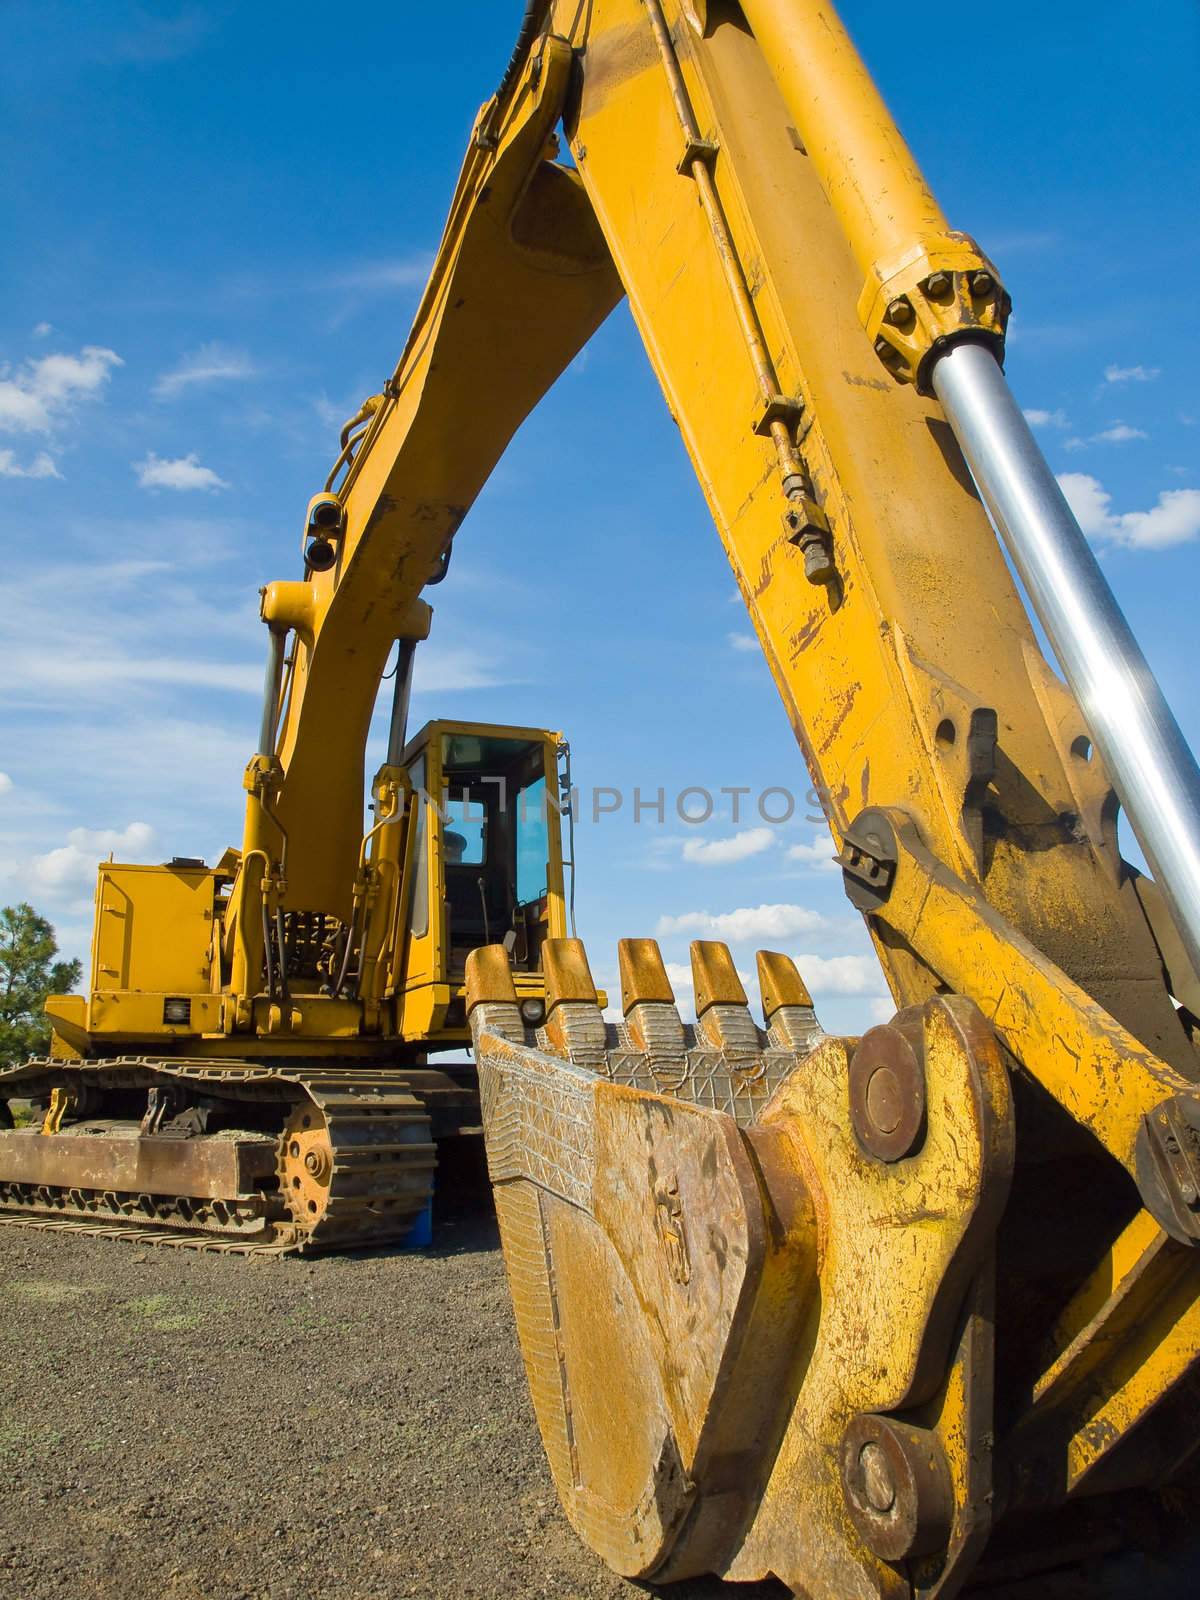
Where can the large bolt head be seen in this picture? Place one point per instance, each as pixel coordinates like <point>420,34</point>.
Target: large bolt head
<point>818,560</point>
<point>887,1089</point>
<point>897,1487</point>
<point>937,284</point>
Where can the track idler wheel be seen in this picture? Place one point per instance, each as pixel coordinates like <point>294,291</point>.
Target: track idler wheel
<point>306,1165</point>
<point>750,1283</point>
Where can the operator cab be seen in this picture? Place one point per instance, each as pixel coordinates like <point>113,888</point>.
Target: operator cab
<point>486,862</point>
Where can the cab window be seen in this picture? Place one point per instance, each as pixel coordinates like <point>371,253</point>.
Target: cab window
<point>466,831</point>
<point>533,842</point>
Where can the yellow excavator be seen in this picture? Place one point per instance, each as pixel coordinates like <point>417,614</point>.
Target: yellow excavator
<point>875,1316</point>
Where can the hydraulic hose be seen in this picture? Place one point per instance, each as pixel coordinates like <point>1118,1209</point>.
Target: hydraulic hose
<point>529,27</point>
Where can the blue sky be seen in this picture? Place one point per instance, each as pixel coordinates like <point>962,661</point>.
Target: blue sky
<point>218,227</point>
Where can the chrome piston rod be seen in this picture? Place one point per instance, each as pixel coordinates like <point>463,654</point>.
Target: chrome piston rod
<point>1147,757</point>
<point>268,730</point>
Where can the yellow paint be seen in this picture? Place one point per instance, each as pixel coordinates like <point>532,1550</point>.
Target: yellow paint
<point>763,253</point>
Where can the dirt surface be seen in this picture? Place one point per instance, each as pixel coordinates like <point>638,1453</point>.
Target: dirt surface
<point>176,1426</point>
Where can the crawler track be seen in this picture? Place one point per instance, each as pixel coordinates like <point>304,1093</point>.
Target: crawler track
<point>338,1158</point>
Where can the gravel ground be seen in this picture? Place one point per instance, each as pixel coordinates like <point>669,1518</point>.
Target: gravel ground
<point>176,1426</point>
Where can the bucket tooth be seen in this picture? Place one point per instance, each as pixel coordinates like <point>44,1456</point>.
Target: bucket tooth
<point>644,978</point>
<point>723,1020</point>
<point>574,1024</point>
<point>651,1017</point>
<point>788,1011</point>
<point>490,987</point>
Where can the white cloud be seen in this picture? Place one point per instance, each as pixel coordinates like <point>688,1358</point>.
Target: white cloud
<point>73,632</point>
<point>1119,433</point>
<point>6,783</point>
<point>738,847</point>
<point>73,865</point>
<point>1115,374</point>
<point>442,669</point>
<point>742,641</point>
<point>49,669</point>
<point>824,975</point>
<point>746,923</point>
<point>183,473</point>
<point>43,330</point>
<point>404,273</point>
<point>843,975</point>
<point>1046,419</point>
<point>39,393</point>
<point>42,466</point>
<point>679,975</point>
<point>211,363</point>
<point>819,854</point>
<point>1174,520</point>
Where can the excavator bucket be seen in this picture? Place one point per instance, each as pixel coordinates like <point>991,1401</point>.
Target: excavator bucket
<point>752,1269</point>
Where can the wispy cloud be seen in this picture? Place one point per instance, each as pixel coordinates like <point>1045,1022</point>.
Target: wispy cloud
<point>43,330</point>
<point>42,466</point>
<point>73,865</point>
<point>211,363</point>
<point>1115,374</point>
<point>818,855</point>
<point>73,631</point>
<point>746,923</point>
<point>738,847</point>
<point>824,975</point>
<point>1174,520</point>
<point>184,473</point>
<point>1036,418</point>
<point>42,392</point>
<point>1120,433</point>
<point>402,272</point>
<point>743,643</point>
<point>1117,433</point>
<point>444,668</point>
<point>51,670</point>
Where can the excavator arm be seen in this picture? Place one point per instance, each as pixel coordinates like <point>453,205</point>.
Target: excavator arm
<point>521,281</point>
<point>852,1313</point>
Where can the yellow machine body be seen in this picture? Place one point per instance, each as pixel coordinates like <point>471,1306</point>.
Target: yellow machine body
<point>877,1316</point>
<point>302,1113</point>
<point>159,933</point>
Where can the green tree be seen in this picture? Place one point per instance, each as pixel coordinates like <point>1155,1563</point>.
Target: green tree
<point>28,973</point>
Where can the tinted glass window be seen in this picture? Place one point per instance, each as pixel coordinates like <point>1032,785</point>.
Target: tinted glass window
<point>533,842</point>
<point>466,830</point>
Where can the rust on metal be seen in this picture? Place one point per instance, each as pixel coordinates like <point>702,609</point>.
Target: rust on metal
<point>780,983</point>
<point>897,1487</point>
<point>643,974</point>
<point>209,1168</point>
<point>715,977</point>
<point>568,977</point>
<point>887,1090</point>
